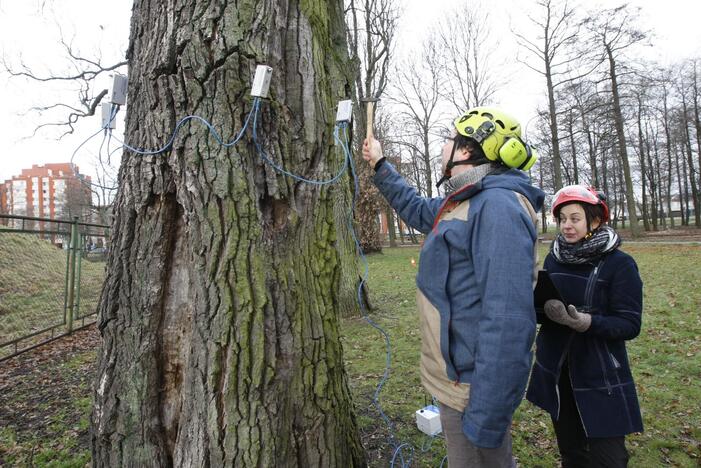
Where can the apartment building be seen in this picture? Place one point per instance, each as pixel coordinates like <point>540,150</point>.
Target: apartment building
<point>55,191</point>
<point>3,199</point>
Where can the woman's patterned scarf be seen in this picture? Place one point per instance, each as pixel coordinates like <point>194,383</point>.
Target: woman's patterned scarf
<point>602,241</point>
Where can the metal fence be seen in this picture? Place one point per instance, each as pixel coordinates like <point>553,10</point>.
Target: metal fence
<point>51,277</point>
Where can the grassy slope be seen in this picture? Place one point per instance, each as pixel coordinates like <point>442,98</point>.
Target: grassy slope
<point>32,284</point>
<point>666,361</point>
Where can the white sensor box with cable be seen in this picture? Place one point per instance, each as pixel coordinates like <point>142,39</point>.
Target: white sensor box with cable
<point>108,120</point>
<point>261,82</point>
<point>119,89</point>
<point>428,420</point>
<point>345,111</point>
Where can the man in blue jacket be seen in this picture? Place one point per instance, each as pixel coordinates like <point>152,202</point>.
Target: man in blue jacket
<point>475,280</point>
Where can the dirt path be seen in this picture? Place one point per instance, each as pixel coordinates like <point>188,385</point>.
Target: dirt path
<point>45,399</point>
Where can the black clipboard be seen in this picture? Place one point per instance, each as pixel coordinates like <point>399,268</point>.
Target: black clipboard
<point>544,291</point>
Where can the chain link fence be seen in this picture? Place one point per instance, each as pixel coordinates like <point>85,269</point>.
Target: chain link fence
<point>51,276</point>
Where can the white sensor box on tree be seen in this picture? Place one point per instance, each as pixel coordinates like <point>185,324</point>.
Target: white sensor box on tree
<point>119,90</point>
<point>428,420</point>
<point>345,111</point>
<point>261,82</point>
<point>108,120</point>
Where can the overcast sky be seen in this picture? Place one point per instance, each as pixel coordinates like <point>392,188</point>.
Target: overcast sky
<point>101,27</point>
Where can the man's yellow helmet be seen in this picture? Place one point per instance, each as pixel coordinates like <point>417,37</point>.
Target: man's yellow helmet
<point>499,135</point>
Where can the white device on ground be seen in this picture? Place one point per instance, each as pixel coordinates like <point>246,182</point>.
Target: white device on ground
<point>345,111</point>
<point>428,420</point>
<point>119,89</point>
<point>107,118</point>
<point>261,81</point>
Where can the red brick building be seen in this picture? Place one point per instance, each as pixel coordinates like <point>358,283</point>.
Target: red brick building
<point>3,199</point>
<point>56,191</point>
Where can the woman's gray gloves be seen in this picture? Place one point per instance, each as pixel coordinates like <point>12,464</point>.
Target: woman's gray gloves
<point>556,311</point>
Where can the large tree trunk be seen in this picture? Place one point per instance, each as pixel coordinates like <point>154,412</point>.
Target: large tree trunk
<point>389,212</point>
<point>653,171</point>
<point>428,170</point>
<point>697,119</point>
<point>695,197</point>
<point>590,148</point>
<point>543,212</point>
<point>622,148</point>
<point>554,138</point>
<point>604,179</point>
<point>573,146</point>
<point>643,168</point>
<point>683,184</point>
<point>668,150</point>
<point>219,313</point>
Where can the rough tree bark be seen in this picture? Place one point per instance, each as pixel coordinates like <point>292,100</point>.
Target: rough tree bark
<point>219,313</point>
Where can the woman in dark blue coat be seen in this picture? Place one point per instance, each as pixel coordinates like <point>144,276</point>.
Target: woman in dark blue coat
<point>581,375</point>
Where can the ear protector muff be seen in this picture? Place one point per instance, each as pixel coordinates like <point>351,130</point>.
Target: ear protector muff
<point>517,153</point>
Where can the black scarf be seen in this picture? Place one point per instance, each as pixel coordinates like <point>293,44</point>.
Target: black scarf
<point>602,241</point>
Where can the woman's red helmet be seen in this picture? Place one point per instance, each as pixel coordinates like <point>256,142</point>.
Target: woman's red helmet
<point>583,194</point>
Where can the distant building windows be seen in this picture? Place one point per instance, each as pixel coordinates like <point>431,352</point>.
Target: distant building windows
<point>35,191</point>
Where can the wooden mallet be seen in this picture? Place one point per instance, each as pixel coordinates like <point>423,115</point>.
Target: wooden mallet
<point>370,108</point>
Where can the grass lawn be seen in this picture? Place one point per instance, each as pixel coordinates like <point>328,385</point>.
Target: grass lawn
<point>45,404</point>
<point>45,394</point>
<point>665,358</point>
<point>33,284</point>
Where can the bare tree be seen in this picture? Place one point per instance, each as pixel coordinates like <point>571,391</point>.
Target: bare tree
<point>81,71</point>
<point>539,139</point>
<point>687,143</point>
<point>84,72</point>
<point>561,61</point>
<point>76,200</point>
<point>371,29</point>
<point>416,93</point>
<point>466,52</point>
<point>695,98</point>
<point>643,149</point>
<point>615,32</point>
<point>585,106</point>
<point>391,151</point>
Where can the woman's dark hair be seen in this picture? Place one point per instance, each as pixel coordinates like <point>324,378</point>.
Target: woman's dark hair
<point>591,212</point>
<point>477,155</point>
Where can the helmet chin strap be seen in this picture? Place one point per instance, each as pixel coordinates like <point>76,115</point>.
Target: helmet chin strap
<point>448,173</point>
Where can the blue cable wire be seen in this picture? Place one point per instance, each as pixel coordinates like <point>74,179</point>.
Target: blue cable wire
<point>182,122</point>
<point>348,163</point>
<point>366,269</point>
<point>261,153</point>
<point>398,451</point>
<point>398,448</point>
